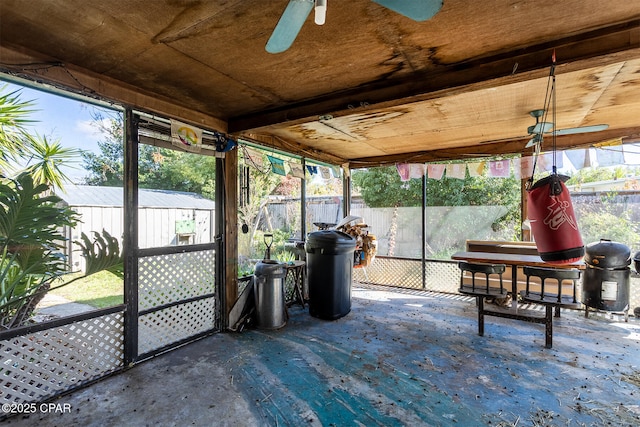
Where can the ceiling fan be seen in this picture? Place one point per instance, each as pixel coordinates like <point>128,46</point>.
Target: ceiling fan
<point>541,127</point>
<point>297,11</point>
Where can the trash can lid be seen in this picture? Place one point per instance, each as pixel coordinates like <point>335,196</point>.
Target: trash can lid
<point>270,267</point>
<point>330,239</point>
<point>607,254</point>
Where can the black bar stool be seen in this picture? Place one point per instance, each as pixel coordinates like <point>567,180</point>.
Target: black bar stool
<point>481,291</point>
<point>551,296</point>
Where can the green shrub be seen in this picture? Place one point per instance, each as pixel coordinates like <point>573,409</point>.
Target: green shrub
<point>605,225</point>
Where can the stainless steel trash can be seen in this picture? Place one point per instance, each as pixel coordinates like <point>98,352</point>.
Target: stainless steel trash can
<point>268,293</point>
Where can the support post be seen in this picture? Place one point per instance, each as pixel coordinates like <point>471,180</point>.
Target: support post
<point>525,235</point>
<point>424,231</point>
<point>227,233</point>
<point>130,241</point>
<point>303,201</point>
<point>346,191</point>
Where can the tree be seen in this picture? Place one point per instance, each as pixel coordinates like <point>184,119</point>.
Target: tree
<point>261,184</point>
<point>45,159</point>
<point>158,168</point>
<point>587,175</point>
<point>177,170</point>
<point>382,187</point>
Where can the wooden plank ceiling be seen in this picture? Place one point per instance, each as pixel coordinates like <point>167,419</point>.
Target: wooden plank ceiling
<point>368,87</point>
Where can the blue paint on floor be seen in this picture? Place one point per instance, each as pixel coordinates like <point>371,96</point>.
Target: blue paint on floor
<point>400,358</point>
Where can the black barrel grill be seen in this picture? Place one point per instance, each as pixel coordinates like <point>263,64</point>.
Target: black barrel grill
<point>607,277</point>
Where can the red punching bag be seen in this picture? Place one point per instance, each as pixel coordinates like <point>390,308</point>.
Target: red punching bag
<point>553,222</point>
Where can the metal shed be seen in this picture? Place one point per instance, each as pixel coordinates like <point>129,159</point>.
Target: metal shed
<point>166,218</point>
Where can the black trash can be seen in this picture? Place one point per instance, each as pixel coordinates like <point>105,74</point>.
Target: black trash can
<point>606,280</point>
<point>329,273</point>
<point>268,294</point>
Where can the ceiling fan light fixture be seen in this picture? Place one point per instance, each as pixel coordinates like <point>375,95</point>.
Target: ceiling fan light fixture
<point>320,12</point>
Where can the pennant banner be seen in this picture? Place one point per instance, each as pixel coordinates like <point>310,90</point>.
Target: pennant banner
<point>253,158</point>
<point>435,171</point>
<point>456,170</point>
<point>185,136</point>
<point>609,156</point>
<point>579,158</point>
<point>522,167</point>
<point>325,173</point>
<point>296,171</point>
<point>277,165</point>
<point>545,162</point>
<point>476,169</point>
<point>500,169</point>
<point>417,170</point>
<point>403,170</point>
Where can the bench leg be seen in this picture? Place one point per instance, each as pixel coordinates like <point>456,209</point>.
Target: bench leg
<point>557,311</point>
<point>480,304</point>
<point>548,327</point>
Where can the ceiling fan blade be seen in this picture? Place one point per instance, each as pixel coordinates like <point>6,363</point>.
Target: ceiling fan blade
<point>541,127</point>
<point>289,25</point>
<point>533,141</point>
<point>582,129</point>
<point>418,10</point>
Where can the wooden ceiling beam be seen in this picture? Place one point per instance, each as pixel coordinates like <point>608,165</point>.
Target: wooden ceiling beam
<point>282,144</point>
<point>599,47</point>
<point>39,68</point>
<point>500,148</point>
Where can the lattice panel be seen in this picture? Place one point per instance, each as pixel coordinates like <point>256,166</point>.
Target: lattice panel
<point>392,272</point>
<point>289,287</point>
<point>176,323</point>
<point>38,366</point>
<point>442,276</point>
<point>163,279</point>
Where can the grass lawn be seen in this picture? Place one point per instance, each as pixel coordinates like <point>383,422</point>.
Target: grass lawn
<point>99,290</point>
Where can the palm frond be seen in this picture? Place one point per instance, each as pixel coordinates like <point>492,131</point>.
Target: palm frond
<point>13,118</point>
<point>46,159</point>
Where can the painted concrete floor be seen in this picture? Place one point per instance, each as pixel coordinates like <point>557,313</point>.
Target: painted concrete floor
<point>400,358</point>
